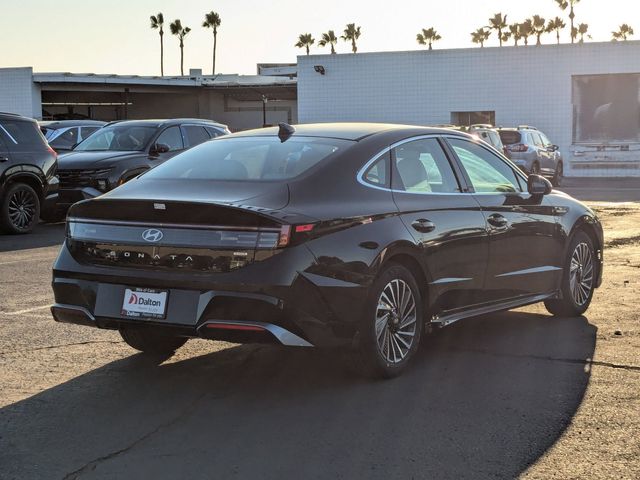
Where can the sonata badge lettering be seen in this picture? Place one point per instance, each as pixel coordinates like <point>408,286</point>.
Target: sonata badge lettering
<point>152,235</point>
<point>144,303</point>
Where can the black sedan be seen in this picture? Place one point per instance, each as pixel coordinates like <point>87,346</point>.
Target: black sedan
<point>347,235</point>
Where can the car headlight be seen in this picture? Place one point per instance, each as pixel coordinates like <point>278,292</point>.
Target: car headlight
<point>102,184</point>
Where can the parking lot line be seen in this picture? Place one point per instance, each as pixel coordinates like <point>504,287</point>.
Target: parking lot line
<point>20,312</point>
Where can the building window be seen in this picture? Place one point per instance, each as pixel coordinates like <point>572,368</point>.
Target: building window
<point>606,108</point>
<point>473,118</point>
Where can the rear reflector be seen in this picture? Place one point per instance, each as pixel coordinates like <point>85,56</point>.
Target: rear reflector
<point>235,326</point>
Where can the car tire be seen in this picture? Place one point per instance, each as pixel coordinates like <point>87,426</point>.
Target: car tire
<point>391,326</point>
<point>20,209</point>
<point>578,279</point>
<point>556,181</point>
<point>151,341</point>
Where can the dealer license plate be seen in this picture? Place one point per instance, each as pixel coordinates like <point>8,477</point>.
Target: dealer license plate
<point>144,303</point>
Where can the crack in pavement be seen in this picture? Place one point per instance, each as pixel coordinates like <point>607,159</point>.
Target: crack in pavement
<point>188,410</point>
<point>579,361</point>
<point>49,347</point>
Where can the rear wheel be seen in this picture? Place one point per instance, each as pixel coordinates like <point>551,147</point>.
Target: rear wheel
<point>556,181</point>
<point>151,341</point>
<point>391,328</point>
<point>578,279</point>
<point>20,209</point>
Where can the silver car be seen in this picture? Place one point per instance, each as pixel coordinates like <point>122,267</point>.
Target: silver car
<point>531,150</point>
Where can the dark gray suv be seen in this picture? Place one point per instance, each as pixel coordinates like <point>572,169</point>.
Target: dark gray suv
<point>531,150</point>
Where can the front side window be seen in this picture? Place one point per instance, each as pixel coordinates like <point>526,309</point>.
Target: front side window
<point>172,137</point>
<point>421,166</point>
<point>488,172</point>
<point>249,159</point>
<point>86,131</point>
<point>118,138</point>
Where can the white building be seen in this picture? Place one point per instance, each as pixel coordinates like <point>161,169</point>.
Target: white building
<point>585,97</point>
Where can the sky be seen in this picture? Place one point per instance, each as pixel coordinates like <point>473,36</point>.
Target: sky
<point>113,36</point>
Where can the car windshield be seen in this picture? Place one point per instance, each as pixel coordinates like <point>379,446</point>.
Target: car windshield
<point>249,159</point>
<point>118,138</point>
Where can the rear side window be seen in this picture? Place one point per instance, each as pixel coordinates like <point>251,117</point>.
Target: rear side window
<point>171,137</point>
<point>510,137</point>
<point>23,135</point>
<point>422,167</point>
<point>214,132</point>
<point>378,173</point>
<point>194,135</point>
<point>250,159</point>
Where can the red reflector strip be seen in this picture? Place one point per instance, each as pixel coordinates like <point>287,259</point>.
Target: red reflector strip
<point>304,228</point>
<point>235,326</point>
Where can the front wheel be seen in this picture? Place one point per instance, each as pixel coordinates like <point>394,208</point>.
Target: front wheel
<point>151,341</point>
<point>578,279</point>
<point>391,327</point>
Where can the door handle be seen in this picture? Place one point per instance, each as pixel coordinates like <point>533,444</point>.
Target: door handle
<point>4,159</point>
<point>497,220</point>
<point>423,225</point>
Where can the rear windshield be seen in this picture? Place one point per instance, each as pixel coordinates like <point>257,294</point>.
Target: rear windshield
<point>249,159</point>
<point>23,134</point>
<point>118,138</point>
<point>509,137</point>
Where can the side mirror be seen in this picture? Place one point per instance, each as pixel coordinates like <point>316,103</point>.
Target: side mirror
<point>538,185</point>
<point>553,148</point>
<point>159,148</point>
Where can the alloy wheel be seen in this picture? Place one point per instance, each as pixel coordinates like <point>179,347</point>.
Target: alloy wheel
<point>22,209</point>
<point>581,273</point>
<point>396,321</point>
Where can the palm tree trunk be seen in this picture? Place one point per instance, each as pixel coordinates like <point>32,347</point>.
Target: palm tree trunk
<point>181,59</point>
<point>213,68</point>
<point>161,57</point>
<point>430,48</point>
<point>307,47</point>
<point>500,36</point>
<point>333,50</point>
<point>354,49</point>
<point>538,42</point>
<point>558,35</point>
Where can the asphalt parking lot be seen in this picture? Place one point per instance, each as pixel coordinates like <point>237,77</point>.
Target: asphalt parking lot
<point>513,394</point>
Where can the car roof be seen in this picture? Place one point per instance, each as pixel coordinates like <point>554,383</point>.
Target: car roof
<point>345,131</point>
<point>15,116</point>
<point>53,124</point>
<point>167,122</point>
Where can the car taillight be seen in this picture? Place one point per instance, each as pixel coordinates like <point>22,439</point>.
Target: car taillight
<point>518,147</point>
<point>286,230</point>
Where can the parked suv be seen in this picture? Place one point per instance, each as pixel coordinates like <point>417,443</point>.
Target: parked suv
<point>489,134</point>
<point>27,173</point>
<point>63,135</point>
<point>121,151</point>
<point>532,151</point>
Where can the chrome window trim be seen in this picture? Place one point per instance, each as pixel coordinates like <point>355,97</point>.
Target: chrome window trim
<point>363,170</point>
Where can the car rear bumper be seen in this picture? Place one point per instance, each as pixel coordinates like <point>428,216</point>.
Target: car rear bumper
<point>270,301</point>
<point>68,196</point>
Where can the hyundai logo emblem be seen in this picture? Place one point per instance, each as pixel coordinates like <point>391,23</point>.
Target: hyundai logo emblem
<point>152,235</point>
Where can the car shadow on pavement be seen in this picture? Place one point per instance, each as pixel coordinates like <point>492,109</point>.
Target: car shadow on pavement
<point>44,235</point>
<point>485,399</point>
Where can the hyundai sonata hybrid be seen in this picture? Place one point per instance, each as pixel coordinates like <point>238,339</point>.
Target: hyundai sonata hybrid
<point>359,236</point>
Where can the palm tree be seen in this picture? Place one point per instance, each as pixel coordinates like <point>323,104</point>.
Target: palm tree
<point>157,23</point>
<point>624,32</point>
<point>428,36</point>
<point>181,32</point>
<point>498,22</point>
<point>526,30</point>
<point>329,38</point>
<point>581,30</point>
<point>539,27</point>
<point>351,34</point>
<point>514,30</point>
<point>212,20</point>
<point>556,25</point>
<point>563,4</point>
<point>305,40</point>
<point>480,36</point>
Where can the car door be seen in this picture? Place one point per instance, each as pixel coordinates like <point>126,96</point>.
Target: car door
<point>444,220</point>
<point>5,155</point>
<point>552,155</point>
<point>525,243</point>
<point>543,154</point>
